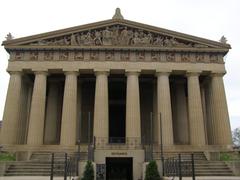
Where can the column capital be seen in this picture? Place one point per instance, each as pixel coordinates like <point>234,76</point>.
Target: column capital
<point>161,73</point>
<point>132,72</point>
<point>41,72</point>
<point>101,72</point>
<point>71,73</point>
<point>217,74</point>
<point>15,73</point>
<point>193,73</point>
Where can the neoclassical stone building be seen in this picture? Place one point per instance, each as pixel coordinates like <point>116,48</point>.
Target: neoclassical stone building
<point>109,83</point>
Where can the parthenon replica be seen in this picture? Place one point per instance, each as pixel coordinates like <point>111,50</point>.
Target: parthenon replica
<point>119,85</point>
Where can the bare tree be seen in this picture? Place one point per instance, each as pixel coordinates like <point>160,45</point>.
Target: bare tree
<point>236,137</point>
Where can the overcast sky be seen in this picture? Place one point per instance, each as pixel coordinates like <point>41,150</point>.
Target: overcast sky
<point>204,18</point>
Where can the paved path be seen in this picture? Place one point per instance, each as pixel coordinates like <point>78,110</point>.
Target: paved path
<point>208,178</point>
<point>31,178</point>
<point>61,178</point>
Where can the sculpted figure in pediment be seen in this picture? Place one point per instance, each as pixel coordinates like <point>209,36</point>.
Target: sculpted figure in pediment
<point>73,40</point>
<point>97,39</point>
<point>158,41</point>
<point>88,39</point>
<point>81,38</point>
<point>124,37</point>
<point>115,35</point>
<point>136,39</point>
<point>107,37</point>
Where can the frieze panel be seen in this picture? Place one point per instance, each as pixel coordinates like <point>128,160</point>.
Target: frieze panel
<point>33,55</point>
<point>109,55</point>
<point>48,56</point>
<point>213,58</point>
<point>155,56</point>
<point>185,57</point>
<point>78,56</point>
<point>125,56</point>
<point>199,57</point>
<point>170,57</point>
<point>94,55</point>
<point>117,35</point>
<point>63,56</point>
<point>139,56</point>
<point>19,55</point>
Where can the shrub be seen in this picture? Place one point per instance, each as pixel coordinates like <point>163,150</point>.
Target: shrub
<point>7,157</point>
<point>152,171</point>
<point>88,172</point>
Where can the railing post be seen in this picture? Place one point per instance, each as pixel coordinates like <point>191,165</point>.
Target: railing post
<point>65,167</point>
<point>179,167</point>
<point>193,168</point>
<point>163,166</point>
<point>52,166</point>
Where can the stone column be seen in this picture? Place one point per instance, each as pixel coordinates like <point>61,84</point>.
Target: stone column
<point>182,119</point>
<point>164,108</point>
<point>12,107</point>
<point>195,112</point>
<point>37,113</point>
<point>50,136</point>
<point>69,111</point>
<point>101,115</point>
<point>221,125</point>
<point>209,112</point>
<point>133,122</point>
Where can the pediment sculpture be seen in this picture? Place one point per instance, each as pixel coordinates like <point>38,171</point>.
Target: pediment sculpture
<point>116,35</point>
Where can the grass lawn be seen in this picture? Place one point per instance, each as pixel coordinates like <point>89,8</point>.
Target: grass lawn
<point>7,157</point>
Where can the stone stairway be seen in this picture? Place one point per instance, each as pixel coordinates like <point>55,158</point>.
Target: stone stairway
<point>204,167</point>
<point>39,165</point>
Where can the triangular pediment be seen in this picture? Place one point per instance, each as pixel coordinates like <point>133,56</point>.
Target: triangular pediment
<point>116,33</point>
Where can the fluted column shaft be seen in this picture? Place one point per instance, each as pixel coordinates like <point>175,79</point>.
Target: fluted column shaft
<point>50,135</point>
<point>221,125</point>
<point>164,108</point>
<point>37,113</point>
<point>101,116</point>
<point>69,111</point>
<point>196,122</point>
<point>133,122</point>
<point>12,107</point>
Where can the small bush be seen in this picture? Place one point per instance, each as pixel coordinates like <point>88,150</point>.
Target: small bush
<point>7,157</point>
<point>88,172</point>
<point>229,156</point>
<point>152,171</point>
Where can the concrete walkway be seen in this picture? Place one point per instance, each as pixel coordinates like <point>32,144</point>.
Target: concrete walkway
<point>31,178</point>
<point>61,178</point>
<point>208,178</point>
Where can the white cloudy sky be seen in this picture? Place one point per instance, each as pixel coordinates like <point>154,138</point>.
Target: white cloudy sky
<point>205,18</point>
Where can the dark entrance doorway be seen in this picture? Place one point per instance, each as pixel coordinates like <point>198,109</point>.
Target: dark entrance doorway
<point>119,169</point>
<point>117,109</point>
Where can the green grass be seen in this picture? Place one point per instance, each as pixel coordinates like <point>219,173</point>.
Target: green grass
<point>7,157</point>
<point>229,157</point>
